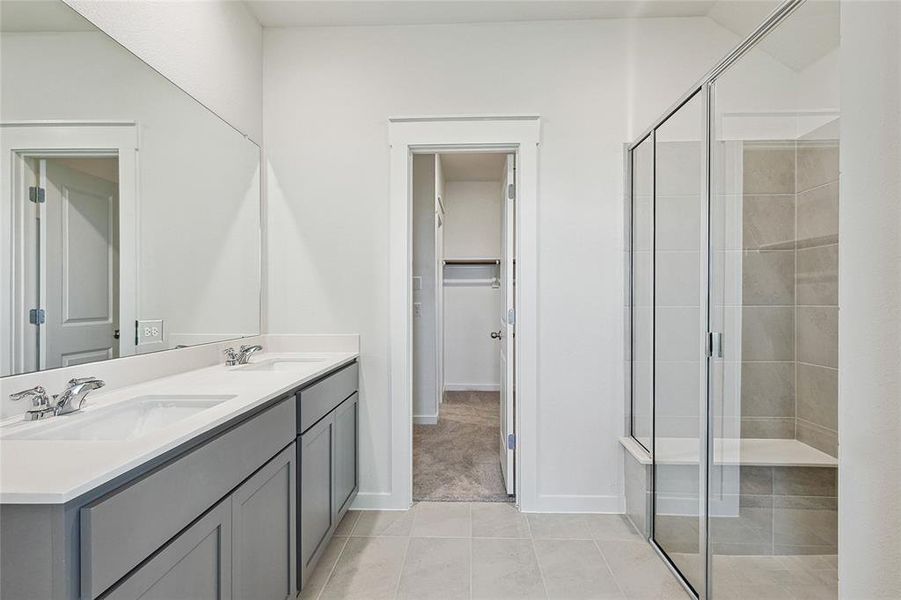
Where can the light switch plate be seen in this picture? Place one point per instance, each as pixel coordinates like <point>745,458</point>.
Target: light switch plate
<point>150,331</point>
<point>417,283</point>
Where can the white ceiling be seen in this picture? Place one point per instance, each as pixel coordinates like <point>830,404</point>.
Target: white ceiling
<point>317,13</point>
<point>809,34</point>
<point>799,43</point>
<point>473,166</point>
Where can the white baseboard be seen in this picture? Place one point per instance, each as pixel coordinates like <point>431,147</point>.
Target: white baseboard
<point>548,503</point>
<point>472,387</point>
<point>425,419</point>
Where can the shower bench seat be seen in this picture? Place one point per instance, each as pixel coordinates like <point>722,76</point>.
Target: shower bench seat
<point>750,452</point>
<point>766,496</point>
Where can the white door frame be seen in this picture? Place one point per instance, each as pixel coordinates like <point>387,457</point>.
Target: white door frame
<point>408,135</point>
<point>22,140</point>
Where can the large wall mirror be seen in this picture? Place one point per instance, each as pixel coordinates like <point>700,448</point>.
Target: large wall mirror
<point>130,212</point>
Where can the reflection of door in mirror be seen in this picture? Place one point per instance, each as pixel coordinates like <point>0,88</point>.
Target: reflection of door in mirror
<point>77,268</point>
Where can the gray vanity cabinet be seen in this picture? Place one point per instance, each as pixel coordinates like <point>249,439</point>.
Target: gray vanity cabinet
<point>346,427</point>
<point>195,565</point>
<point>243,548</point>
<point>263,530</point>
<point>327,450</point>
<point>316,506</point>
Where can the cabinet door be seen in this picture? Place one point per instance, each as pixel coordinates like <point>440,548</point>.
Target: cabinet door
<point>346,417</point>
<point>316,515</point>
<point>264,563</point>
<point>195,565</point>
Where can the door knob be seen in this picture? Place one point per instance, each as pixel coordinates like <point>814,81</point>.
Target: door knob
<point>497,335</point>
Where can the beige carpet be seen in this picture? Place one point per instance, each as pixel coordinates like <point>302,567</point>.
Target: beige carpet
<point>458,460</point>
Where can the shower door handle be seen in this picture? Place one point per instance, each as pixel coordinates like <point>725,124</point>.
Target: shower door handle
<point>714,344</point>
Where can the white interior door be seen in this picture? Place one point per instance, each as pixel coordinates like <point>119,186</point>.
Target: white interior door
<point>81,287</point>
<point>507,326</point>
<point>439,280</point>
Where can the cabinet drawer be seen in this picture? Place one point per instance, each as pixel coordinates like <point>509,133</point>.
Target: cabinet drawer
<point>194,565</point>
<point>320,398</point>
<point>120,530</point>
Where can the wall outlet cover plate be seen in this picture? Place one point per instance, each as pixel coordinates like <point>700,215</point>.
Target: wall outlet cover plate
<point>149,331</point>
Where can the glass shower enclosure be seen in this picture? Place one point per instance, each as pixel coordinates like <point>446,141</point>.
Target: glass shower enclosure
<point>733,250</point>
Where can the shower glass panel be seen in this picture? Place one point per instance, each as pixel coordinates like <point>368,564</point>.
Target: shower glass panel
<point>642,276</point>
<point>774,296</point>
<point>679,219</point>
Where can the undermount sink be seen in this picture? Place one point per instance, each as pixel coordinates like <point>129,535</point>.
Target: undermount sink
<point>124,420</point>
<point>282,364</point>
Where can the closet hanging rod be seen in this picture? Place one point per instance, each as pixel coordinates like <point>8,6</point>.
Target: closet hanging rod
<point>472,261</point>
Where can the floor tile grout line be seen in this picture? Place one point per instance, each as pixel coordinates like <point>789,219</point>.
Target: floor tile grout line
<point>332,570</point>
<point>540,570</point>
<point>610,569</point>
<point>403,564</point>
<point>356,522</point>
<point>531,539</point>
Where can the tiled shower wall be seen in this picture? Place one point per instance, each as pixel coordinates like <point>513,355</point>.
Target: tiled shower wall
<point>790,292</point>
<point>767,290</point>
<point>816,277</point>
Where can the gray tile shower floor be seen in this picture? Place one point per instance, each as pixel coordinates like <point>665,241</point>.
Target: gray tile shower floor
<point>487,550</point>
<point>458,459</point>
<point>458,550</point>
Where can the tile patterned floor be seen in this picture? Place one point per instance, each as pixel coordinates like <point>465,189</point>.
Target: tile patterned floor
<point>487,551</point>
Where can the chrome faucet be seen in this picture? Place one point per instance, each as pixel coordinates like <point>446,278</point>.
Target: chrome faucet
<point>240,357</point>
<point>40,403</point>
<point>246,352</point>
<point>72,399</point>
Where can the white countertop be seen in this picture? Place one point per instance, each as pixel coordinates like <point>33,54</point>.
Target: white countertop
<point>54,471</point>
<point>745,451</point>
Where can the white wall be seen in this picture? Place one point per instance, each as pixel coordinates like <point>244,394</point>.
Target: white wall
<point>210,48</point>
<point>869,544</point>
<point>473,219</point>
<point>328,93</point>
<point>472,230</point>
<point>425,395</point>
<point>471,357</point>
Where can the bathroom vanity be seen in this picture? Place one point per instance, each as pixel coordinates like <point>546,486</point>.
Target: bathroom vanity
<point>236,499</point>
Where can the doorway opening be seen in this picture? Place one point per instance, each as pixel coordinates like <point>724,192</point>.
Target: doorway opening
<point>69,284</point>
<point>70,242</point>
<point>463,325</point>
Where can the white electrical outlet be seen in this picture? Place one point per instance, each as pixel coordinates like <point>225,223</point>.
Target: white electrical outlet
<point>150,332</point>
<point>417,310</point>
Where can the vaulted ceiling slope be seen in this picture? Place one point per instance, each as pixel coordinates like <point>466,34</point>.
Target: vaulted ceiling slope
<point>316,13</point>
<point>797,49</point>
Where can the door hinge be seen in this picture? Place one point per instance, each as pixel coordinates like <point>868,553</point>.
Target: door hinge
<point>511,316</point>
<point>37,316</point>
<point>714,344</point>
<point>37,194</point>
<point>511,441</point>
<point>511,191</point>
